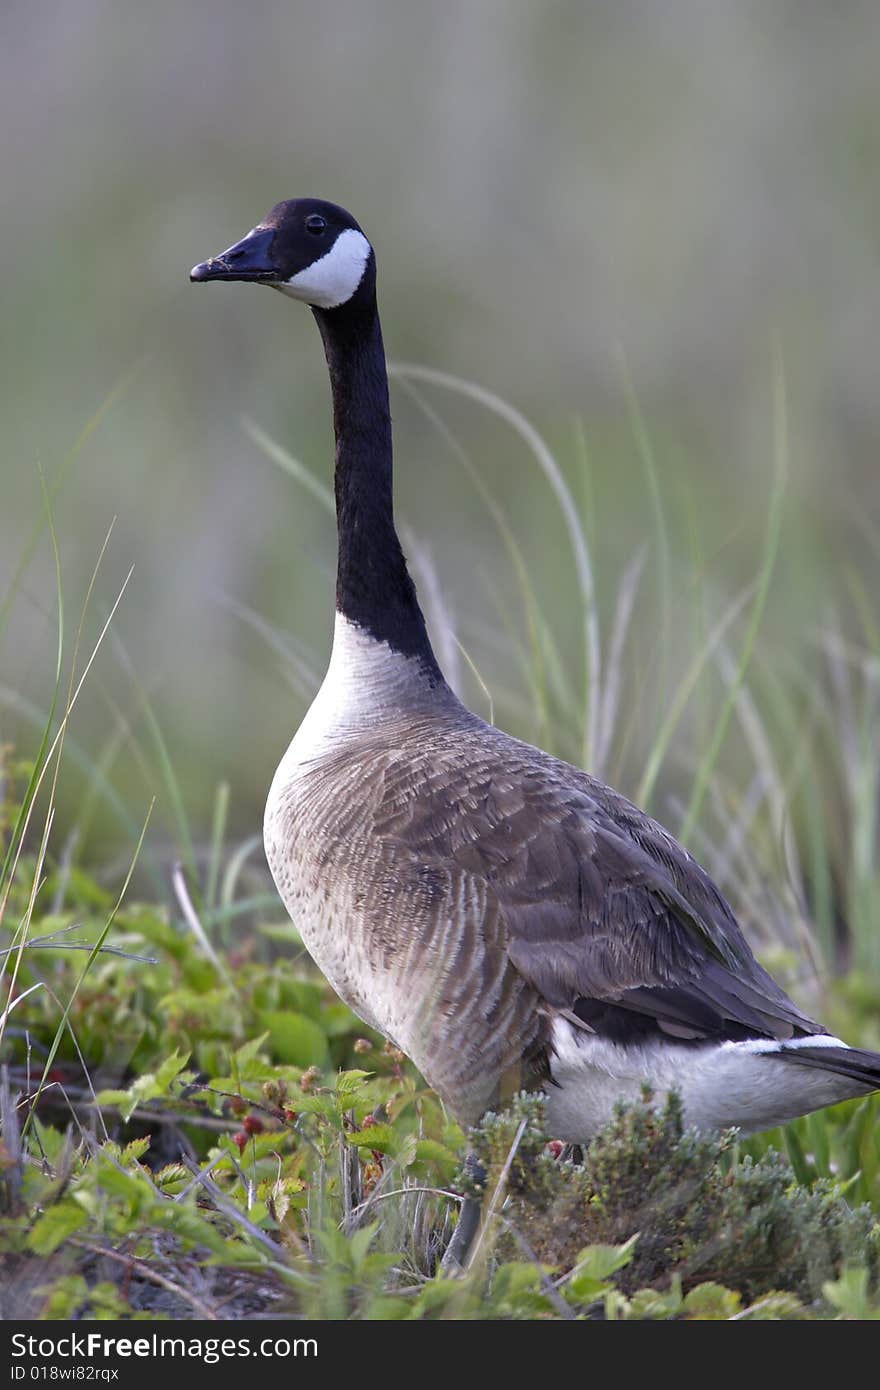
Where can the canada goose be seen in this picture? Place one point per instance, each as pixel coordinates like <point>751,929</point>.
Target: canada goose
<point>501,916</point>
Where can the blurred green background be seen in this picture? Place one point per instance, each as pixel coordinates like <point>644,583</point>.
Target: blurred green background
<point>564,198</point>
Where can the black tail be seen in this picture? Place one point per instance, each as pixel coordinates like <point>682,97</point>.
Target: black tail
<point>855,1063</point>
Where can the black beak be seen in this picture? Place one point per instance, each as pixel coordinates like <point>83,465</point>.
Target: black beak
<point>248,259</point>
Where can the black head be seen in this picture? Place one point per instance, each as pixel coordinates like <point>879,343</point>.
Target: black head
<point>311,250</point>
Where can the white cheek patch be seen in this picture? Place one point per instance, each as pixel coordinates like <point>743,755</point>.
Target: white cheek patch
<point>334,278</point>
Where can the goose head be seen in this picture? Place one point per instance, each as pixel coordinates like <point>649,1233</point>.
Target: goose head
<point>308,249</point>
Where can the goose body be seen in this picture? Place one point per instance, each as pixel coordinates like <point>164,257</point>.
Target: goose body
<point>504,918</point>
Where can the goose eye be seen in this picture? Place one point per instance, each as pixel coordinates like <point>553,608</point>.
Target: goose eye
<point>315,224</point>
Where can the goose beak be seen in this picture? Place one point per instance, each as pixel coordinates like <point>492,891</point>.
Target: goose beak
<point>248,259</point>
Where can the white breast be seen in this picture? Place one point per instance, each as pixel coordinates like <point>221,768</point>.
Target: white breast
<point>367,685</point>
<point>366,681</point>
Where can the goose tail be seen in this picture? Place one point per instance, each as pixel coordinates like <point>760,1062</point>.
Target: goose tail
<point>855,1064</point>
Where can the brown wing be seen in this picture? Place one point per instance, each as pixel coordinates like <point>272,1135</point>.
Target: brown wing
<point>608,917</point>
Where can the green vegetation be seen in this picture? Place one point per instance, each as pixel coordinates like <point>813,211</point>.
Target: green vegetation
<point>194,1126</point>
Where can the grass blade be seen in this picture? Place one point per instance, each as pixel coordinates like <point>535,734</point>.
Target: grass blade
<point>762,589</point>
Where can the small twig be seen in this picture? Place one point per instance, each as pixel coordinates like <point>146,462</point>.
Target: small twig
<point>11,1135</point>
<point>15,1000</point>
<point>132,1262</point>
<point>498,1193</point>
<point>404,1192</point>
<point>75,1095</point>
<point>753,1308</point>
<point>194,1182</point>
<point>352,1188</point>
<point>173,1117</point>
<point>31,1096</point>
<point>272,1111</point>
<point>91,1090</point>
<point>46,943</point>
<point>231,1210</point>
<point>89,1086</point>
<point>243,1179</point>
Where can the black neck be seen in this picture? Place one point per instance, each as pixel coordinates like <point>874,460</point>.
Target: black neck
<point>373,586</point>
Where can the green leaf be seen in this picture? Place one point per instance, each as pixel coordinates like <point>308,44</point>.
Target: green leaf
<point>383,1138</point>
<point>337,1020</point>
<point>360,1242</point>
<point>67,1295</point>
<point>431,1152</point>
<point>850,1296</point>
<point>406,1150</point>
<point>349,1083</point>
<point>52,1141</point>
<point>249,1052</point>
<point>711,1302</point>
<point>293,1038</point>
<point>247,1064</point>
<point>596,1264</point>
<point>135,1150</point>
<point>114,1098</point>
<point>276,1194</point>
<point>170,1068</point>
<point>151,1086</point>
<point>173,1178</point>
<point>774,1307</point>
<point>61,1220</point>
<point>656,1303</point>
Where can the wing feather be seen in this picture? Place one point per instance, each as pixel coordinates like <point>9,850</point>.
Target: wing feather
<point>607,916</point>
